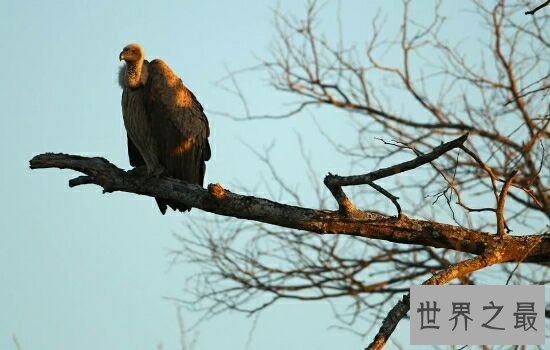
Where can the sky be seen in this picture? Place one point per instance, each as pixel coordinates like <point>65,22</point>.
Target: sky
<point>84,270</point>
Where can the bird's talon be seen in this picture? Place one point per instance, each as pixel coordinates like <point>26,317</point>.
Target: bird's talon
<point>156,173</point>
<point>137,171</point>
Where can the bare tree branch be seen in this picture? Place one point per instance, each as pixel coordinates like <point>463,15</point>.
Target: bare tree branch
<point>462,268</point>
<point>335,182</point>
<point>226,203</point>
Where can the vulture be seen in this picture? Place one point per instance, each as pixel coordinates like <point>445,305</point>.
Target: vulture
<point>166,127</point>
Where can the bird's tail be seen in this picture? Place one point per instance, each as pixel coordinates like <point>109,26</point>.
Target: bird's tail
<point>163,204</point>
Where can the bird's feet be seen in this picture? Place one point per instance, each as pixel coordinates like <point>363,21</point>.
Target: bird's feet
<point>144,174</point>
<point>138,171</point>
<point>155,173</point>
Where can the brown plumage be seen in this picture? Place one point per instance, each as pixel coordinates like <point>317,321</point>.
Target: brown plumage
<point>166,125</point>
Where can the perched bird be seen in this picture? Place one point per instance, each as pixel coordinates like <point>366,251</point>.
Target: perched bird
<point>166,125</point>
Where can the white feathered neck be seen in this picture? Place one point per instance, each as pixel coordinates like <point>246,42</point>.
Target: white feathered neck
<point>133,76</point>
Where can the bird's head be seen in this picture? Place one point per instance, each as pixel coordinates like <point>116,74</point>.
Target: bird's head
<point>132,53</point>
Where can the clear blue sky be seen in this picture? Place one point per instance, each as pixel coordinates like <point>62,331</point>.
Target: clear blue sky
<point>82,270</point>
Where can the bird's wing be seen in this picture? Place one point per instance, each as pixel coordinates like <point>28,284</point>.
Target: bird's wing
<point>136,160</point>
<point>178,123</point>
<point>134,155</point>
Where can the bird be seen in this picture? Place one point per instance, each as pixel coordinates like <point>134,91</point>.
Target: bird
<point>167,130</point>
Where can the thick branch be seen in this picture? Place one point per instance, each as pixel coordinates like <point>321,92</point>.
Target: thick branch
<point>369,225</point>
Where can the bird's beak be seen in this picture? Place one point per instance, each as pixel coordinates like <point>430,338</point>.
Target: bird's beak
<point>121,56</point>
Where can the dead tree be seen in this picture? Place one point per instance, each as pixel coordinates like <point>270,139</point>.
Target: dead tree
<point>477,128</point>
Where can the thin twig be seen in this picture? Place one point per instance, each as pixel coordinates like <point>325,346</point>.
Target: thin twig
<point>502,228</point>
<point>533,11</point>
